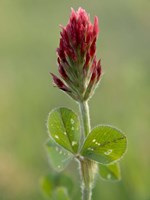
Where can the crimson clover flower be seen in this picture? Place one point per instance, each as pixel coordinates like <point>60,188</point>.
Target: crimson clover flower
<point>78,67</point>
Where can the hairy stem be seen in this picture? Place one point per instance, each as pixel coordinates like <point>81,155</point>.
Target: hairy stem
<point>86,193</point>
<point>85,118</point>
<point>88,168</point>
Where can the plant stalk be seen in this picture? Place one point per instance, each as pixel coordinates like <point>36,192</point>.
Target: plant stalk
<point>85,118</point>
<point>88,168</point>
<point>86,193</point>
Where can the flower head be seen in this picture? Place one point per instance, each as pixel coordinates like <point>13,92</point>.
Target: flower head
<point>77,64</point>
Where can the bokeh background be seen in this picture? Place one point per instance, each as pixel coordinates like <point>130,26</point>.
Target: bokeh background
<point>29,35</point>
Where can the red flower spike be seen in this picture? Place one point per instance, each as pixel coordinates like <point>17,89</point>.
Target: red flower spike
<point>77,55</point>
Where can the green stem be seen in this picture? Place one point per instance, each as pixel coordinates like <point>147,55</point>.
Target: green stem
<point>86,193</point>
<point>88,167</point>
<point>88,171</point>
<point>85,118</point>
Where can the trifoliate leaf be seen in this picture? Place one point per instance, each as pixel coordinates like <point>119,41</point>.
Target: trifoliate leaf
<point>64,128</point>
<point>104,144</point>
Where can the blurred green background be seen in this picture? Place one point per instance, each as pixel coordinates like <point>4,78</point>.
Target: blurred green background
<point>29,36</point>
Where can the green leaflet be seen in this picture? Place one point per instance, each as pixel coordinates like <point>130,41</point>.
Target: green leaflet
<point>104,144</point>
<point>52,184</point>
<point>47,186</point>
<point>110,172</point>
<point>61,194</point>
<point>59,158</point>
<point>64,128</point>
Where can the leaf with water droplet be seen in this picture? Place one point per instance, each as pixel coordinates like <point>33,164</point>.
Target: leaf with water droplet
<point>110,172</point>
<point>59,158</point>
<point>105,144</point>
<point>64,128</point>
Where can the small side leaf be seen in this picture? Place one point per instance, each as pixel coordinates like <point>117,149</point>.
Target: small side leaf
<point>105,144</point>
<point>110,172</point>
<point>61,194</point>
<point>47,186</point>
<point>59,158</point>
<point>51,182</point>
<point>64,128</point>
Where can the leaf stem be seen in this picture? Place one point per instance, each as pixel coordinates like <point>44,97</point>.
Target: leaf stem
<point>85,118</point>
<point>86,194</point>
<point>88,168</point>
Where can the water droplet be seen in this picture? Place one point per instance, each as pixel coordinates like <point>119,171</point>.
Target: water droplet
<point>60,152</point>
<point>108,176</point>
<point>56,136</point>
<point>65,133</point>
<point>72,128</point>
<point>108,152</point>
<point>97,143</point>
<point>91,149</point>
<point>57,149</point>
<point>58,166</point>
<point>74,143</point>
<point>93,140</point>
<point>72,121</point>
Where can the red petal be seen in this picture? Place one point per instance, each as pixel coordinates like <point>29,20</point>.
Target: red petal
<point>95,27</point>
<point>99,70</point>
<point>59,83</point>
<point>62,72</point>
<point>87,59</point>
<point>93,48</point>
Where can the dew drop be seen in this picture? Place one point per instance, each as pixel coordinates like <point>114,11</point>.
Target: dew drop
<point>72,121</point>
<point>60,152</point>
<point>108,176</point>
<point>72,128</point>
<point>108,152</point>
<point>57,149</point>
<point>65,133</point>
<point>97,143</point>
<point>93,140</point>
<point>91,149</point>
<point>74,143</point>
<point>56,136</point>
